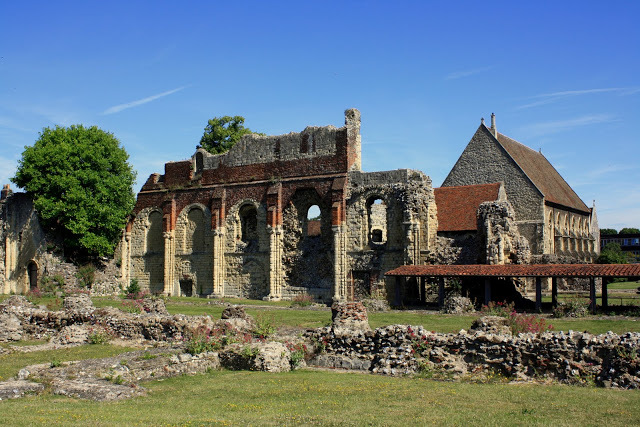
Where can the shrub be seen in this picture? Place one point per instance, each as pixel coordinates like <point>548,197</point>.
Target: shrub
<point>302,300</point>
<point>419,344</point>
<point>574,307</point>
<point>133,290</point>
<point>264,327</point>
<point>86,276</point>
<point>206,339</point>
<point>520,323</point>
<point>298,353</point>
<point>98,336</point>
<point>502,309</point>
<point>51,285</point>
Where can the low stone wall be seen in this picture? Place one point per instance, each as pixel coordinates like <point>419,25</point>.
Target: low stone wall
<point>608,360</point>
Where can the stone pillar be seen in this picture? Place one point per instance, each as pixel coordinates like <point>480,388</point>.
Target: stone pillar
<point>125,267</point>
<point>412,243</point>
<point>276,270</point>
<point>218,262</point>
<point>339,263</point>
<point>169,264</point>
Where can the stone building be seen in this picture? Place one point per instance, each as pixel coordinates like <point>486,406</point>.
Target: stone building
<point>548,213</point>
<point>238,224</point>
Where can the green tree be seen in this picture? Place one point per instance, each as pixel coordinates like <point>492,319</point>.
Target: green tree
<point>607,231</point>
<point>221,133</point>
<point>630,231</point>
<point>81,185</point>
<point>612,254</point>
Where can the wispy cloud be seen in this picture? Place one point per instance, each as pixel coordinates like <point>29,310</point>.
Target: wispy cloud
<point>467,73</point>
<point>7,169</point>
<point>120,107</point>
<point>545,128</point>
<point>548,98</point>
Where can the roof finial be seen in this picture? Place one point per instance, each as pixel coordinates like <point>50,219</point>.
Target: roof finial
<point>493,125</point>
<point>481,120</point>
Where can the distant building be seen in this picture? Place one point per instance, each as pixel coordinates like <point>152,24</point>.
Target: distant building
<point>629,243</point>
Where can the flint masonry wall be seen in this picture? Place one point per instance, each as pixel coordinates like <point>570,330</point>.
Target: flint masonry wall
<point>484,161</point>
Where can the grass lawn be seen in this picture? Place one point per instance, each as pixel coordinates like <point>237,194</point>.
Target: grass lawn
<point>333,398</point>
<point>10,364</point>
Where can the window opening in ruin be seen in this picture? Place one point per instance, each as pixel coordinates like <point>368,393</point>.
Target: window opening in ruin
<point>314,221</point>
<point>248,223</point>
<point>199,163</point>
<point>377,219</point>
<point>32,272</point>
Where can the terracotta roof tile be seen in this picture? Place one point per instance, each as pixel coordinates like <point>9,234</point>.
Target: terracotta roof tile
<point>519,270</point>
<point>458,206</point>
<point>543,175</point>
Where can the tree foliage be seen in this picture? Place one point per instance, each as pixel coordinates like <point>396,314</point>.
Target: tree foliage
<point>221,133</point>
<point>81,185</point>
<point>607,231</point>
<point>627,230</point>
<point>612,254</point>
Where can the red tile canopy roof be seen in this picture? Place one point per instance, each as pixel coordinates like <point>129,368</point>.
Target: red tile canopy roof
<point>519,270</point>
<point>458,206</point>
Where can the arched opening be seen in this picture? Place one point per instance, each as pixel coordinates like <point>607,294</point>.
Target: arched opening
<point>155,241</point>
<point>314,221</point>
<point>248,223</point>
<point>32,272</point>
<point>377,220</point>
<point>195,231</point>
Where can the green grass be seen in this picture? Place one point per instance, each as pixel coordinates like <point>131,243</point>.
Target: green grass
<point>10,364</point>
<point>623,285</point>
<point>331,398</point>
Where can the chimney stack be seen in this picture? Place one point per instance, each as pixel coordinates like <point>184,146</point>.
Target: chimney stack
<point>6,192</point>
<point>493,125</point>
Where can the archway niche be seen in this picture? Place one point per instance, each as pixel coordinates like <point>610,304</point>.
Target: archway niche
<point>32,273</point>
<point>248,223</point>
<point>377,220</point>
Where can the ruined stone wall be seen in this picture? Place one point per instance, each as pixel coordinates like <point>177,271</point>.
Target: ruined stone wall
<point>485,161</point>
<point>390,221</point>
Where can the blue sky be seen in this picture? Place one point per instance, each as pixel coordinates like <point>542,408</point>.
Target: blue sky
<point>563,77</point>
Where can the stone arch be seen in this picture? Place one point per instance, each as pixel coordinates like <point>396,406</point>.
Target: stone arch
<point>192,230</point>
<point>193,259</point>
<point>246,226</point>
<point>147,250</point>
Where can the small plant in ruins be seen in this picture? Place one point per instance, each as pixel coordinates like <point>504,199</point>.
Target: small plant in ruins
<point>419,343</point>
<point>572,307</point>
<point>502,309</point>
<point>98,336</point>
<point>133,290</point>
<point>264,327</point>
<point>520,323</point>
<point>298,352</point>
<point>205,339</point>
<point>302,300</point>
<point>86,276</point>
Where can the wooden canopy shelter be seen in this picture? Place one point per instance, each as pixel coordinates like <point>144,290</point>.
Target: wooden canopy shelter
<point>537,271</point>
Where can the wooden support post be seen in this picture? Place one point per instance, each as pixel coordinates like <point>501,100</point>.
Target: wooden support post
<point>487,291</point>
<point>592,294</point>
<point>423,291</point>
<point>441,292</point>
<point>554,292</point>
<point>538,293</point>
<point>605,297</point>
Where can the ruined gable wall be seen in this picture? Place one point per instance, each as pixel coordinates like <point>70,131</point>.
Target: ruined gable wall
<point>484,161</point>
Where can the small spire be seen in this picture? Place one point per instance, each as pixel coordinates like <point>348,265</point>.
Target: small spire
<point>481,120</point>
<point>493,125</point>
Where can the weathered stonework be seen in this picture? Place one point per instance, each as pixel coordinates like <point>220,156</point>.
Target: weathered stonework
<point>237,224</point>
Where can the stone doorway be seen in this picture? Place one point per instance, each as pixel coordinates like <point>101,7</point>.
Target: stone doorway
<point>32,272</point>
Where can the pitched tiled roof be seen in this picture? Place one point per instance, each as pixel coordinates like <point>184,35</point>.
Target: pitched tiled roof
<point>457,206</point>
<point>543,175</point>
<point>519,270</point>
